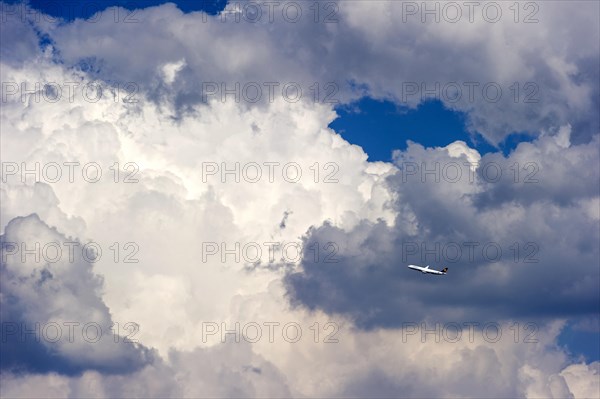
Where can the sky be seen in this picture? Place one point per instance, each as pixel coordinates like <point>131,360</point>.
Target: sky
<point>221,199</point>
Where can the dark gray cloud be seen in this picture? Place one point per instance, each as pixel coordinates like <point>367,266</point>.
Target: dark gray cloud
<point>53,316</point>
<point>552,273</point>
<point>547,77</point>
<point>19,40</point>
<point>533,174</point>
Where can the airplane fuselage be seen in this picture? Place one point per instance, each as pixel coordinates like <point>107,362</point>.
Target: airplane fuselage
<point>427,270</point>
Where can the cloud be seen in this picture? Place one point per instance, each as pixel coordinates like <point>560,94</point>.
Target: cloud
<point>385,362</point>
<point>53,316</point>
<point>171,206</point>
<point>225,371</point>
<point>506,242</point>
<point>484,66</point>
<point>171,202</point>
<point>583,379</point>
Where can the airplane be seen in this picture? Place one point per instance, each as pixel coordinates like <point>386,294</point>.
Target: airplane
<point>427,270</point>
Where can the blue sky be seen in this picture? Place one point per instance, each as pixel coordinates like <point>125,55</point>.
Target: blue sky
<point>381,127</point>
<point>579,341</point>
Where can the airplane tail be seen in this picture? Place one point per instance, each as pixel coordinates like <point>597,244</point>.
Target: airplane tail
<point>444,270</point>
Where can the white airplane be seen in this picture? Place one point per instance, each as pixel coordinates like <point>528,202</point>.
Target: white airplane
<point>427,270</point>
